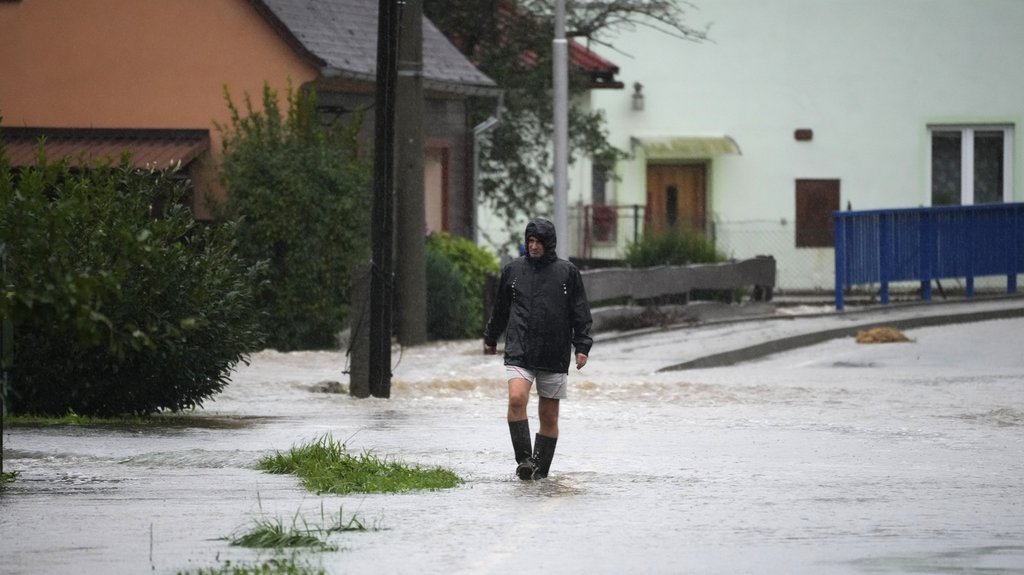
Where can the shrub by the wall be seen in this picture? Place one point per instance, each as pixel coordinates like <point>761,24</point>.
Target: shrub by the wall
<point>675,246</point>
<point>121,302</point>
<point>448,316</point>
<point>456,274</point>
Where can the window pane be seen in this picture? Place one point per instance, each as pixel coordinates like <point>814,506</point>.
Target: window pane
<point>946,168</point>
<point>598,183</point>
<point>671,205</point>
<point>988,167</point>
<point>815,202</point>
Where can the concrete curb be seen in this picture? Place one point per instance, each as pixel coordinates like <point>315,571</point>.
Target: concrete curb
<point>802,340</point>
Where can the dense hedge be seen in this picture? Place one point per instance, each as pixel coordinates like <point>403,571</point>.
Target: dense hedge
<point>301,195</point>
<point>121,302</point>
<point>456,274</point>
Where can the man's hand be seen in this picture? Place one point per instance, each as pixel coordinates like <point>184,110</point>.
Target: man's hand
<point>490,349</point>
<point>581,360</point>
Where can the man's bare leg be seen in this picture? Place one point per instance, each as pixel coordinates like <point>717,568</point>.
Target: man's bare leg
<point>548,412</point>
<point>518,398</point>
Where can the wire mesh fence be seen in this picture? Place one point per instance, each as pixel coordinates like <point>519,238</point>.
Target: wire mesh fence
<point>799,269</point>
<point>605,232</point>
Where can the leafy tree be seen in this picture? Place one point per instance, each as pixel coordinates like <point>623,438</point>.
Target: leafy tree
<point>121,302</point>
<point>301,194</point>
<point>510,41</point>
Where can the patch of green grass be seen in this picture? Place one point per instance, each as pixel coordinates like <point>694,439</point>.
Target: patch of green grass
<point>274,534</point>
<point>157,420</point>
<point>70,418</point>
<point>276,566</point>
<point>8,476</point>
<point>324,466</point>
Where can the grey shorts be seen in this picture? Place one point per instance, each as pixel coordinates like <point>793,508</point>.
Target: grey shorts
<point>549,384</point>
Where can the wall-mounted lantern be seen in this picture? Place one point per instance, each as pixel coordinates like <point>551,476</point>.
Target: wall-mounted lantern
<point>638,96</point>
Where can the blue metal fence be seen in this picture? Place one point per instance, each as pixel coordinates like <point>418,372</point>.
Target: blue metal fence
<point>925,244</point>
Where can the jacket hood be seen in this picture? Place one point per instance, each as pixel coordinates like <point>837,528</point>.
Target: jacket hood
<point>543,230</point>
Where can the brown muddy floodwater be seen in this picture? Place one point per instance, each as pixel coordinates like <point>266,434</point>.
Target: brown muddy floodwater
<point>836,458</point>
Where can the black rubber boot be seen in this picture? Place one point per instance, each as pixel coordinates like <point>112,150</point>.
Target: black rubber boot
<point>520,432</point>
<point>527,469</point>
<point>543,452</point>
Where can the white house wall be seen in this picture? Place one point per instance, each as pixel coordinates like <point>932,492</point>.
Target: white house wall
<point>492,233</point>
<point>867,76</point>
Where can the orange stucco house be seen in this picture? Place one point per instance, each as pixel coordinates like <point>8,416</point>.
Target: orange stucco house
<point>104,76</point>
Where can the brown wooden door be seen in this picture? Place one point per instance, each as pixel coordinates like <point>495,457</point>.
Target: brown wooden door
<point>676,195</point>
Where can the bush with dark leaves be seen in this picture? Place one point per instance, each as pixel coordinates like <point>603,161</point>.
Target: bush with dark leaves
<point>121,302</point>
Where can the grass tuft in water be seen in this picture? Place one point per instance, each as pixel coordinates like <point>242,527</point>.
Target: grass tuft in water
<point>276,566</point>
<point>274,534</point>
<point>8,476</point>
<point>324,466</point>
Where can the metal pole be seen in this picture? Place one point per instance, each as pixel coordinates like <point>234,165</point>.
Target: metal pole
<point>636,223</point>
<point>5,335</point>
<point>561,139</point>
<point>840,258</point>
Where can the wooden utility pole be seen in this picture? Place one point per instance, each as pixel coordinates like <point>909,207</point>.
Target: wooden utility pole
<point>411,211</point>
<point>6,359</point>
<point>6,354</point>
<point>382,232</point>
<point>359,344</point>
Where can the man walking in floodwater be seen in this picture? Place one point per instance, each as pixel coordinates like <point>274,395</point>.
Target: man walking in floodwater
<point>542,309</point>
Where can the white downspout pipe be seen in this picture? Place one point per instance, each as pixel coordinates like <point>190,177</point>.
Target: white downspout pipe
<point>478,133</point>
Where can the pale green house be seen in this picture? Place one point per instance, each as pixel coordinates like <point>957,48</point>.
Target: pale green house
<point>795,108</point>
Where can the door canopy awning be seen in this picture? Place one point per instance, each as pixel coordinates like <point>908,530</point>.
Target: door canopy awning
<point>685,147</point>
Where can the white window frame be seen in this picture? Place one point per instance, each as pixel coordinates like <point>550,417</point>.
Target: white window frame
<point>967,157</point>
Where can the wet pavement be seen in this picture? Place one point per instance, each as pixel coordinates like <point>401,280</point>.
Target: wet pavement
<point>831,457</point>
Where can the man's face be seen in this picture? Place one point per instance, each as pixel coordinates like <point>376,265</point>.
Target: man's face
<point>534,247</point>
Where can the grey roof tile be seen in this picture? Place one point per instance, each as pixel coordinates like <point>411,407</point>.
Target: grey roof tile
<point>341,35</point>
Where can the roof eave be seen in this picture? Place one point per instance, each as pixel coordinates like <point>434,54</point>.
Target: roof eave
<point>286,34</point>
<point>448,87</point>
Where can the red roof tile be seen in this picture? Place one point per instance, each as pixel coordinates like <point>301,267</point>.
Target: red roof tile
<point>584,58</point>
<point>149,148</point>
<point>602,72</point>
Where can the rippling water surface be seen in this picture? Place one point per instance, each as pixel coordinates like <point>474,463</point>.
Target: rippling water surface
<point>838,458</point>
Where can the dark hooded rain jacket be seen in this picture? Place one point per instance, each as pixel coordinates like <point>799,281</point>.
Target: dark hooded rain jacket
<point>541,308</point>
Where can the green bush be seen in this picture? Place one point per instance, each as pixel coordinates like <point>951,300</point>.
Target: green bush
<point>448,316</point>
<point>456,276</point>
<point>675,246</point>
<point>121,302</point>
<point>302,197</point>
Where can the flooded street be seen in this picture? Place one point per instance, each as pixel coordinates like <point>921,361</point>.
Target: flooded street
<point>834,458</point>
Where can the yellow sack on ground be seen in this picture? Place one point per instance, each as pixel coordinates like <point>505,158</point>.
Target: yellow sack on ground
<point>881,335</point>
